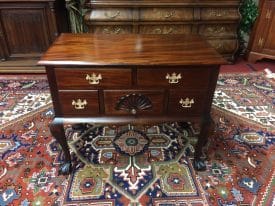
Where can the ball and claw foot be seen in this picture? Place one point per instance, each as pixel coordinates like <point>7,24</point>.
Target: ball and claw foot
<point>199,165</point>
<point>65,168</point>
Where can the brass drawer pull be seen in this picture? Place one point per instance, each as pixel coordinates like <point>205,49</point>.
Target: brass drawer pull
<point>93,79</point>
<point>169,14</point>
<point>174,78</point>
<point>115,30</point>
<point>113,15</point>
<point>187,103</point>
<point>79,104</point>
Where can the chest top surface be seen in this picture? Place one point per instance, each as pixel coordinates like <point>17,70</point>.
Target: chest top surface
<point>130,50</point>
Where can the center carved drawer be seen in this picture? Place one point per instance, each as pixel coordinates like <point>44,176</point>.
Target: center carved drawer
<point>134,102</point>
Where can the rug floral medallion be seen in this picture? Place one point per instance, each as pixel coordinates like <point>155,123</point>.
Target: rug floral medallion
<point>139,165</point>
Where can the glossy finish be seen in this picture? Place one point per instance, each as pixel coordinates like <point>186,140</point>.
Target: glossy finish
<point>137,79</point>
<point>262,39</point>
<point>216,20</point>
<point>130,50</point>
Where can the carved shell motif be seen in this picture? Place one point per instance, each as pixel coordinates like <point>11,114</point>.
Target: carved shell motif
<point>134,103</point>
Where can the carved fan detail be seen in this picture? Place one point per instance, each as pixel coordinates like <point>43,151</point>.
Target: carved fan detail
<point>133,103</point>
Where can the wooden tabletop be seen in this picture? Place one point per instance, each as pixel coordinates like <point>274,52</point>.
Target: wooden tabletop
<point>130,49</point>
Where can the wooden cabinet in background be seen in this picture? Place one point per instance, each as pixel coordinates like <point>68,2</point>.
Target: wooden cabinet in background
<point>215,20</point>
<point>262,40</point>
<point>27,28</point>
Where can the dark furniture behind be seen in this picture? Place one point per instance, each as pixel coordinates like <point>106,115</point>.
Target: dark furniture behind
<point>27,29</point>
<point>215,20</point>
<point>262,40</point>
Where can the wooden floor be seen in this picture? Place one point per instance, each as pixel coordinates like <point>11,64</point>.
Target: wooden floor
<point>21,66</point>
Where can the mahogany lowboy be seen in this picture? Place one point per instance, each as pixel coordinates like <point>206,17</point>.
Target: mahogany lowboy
<point>131,79</point>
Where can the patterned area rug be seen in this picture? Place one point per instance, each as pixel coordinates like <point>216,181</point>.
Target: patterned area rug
<point>133,165</point>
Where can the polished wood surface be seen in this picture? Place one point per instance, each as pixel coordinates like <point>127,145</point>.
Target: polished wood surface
<point>135,79</point>
<point>216,20</point>
<point>262,39</point>
<point>135,49</point>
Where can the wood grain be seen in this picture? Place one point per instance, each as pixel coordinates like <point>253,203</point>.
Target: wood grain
<point>130,49</point>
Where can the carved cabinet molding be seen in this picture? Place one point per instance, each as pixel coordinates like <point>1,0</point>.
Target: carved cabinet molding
<point>216,21</point>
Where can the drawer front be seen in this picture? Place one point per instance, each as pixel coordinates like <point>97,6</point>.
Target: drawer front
<point>76,78</point>
<point>220,14</point>
<point>133,102</point>
<point>79,103</point>
<point>189,78</point>
<point>165,29</point>
<point>218,30</point>
<point>110,14</point>
<point>111,29</point>
<point>186,102</point>
<point>224,46</point>
<point>166,14</point>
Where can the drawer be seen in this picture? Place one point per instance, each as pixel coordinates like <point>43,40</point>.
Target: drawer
<point>133,102</point>
<point>110,14</point>
<point>75,78</point>
<point>165,29</point>
<point>79,103</point>
<point>186,102</point>
<point>111,29</point>
<point>188,78</point>
<point>224,46</point>
<point>218,30</point>
<point>166,14</point>
<point>220,14</point>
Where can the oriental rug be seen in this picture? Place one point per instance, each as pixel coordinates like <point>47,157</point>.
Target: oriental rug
<point>134,165</point>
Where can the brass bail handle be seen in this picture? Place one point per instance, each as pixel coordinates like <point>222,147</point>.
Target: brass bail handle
<point>94,78</point>
<point>173,78</point>
<point>79,104</point>
<point>187,102</point>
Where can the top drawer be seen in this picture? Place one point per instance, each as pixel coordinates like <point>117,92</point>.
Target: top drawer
<point>166,14</point>
<point>111,14</point>
<point>220,14</point>
<point>187,78</point>
<point>75,78</point>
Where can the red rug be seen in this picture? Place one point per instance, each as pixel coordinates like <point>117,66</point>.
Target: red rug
<point>157,170</point>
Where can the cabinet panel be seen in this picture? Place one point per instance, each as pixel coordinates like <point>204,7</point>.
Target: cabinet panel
<point>26,30</point>
<point>269,45</point>
<point>262,39</point>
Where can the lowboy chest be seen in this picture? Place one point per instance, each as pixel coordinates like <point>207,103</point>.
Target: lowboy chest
<point>131,79</point>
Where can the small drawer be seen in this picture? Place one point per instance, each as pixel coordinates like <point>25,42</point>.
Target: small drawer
<point>79,103</point>
<point>75,78</point>
<point>111,29</point>
<point>220,14</point>
<point>133,102</point>
<point>186,102</point>
<point>110,14</point>
<point>166,14</point>
<point>187,78</point>
<point>165,29</point>
<point>218,30</point>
